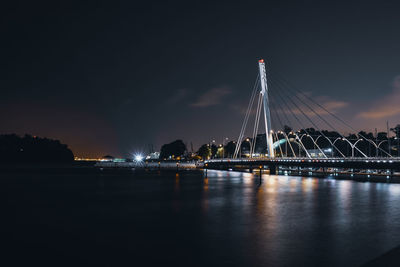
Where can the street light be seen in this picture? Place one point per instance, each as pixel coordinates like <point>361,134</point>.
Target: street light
<point>138,157</point>
<point>353,146</point>
<point>251,145</point>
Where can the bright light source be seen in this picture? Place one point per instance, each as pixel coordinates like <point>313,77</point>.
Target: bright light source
<point>138,157</point>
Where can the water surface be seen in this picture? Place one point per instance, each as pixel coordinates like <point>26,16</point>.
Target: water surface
<point>183,219</point>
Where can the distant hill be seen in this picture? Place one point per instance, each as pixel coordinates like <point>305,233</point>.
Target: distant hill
<point>14,148</point>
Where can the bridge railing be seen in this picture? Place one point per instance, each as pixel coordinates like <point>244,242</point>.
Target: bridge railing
<point>306,159</point>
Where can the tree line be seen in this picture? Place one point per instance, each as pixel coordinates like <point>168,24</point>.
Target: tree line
<point>14,148</point>
<point>296,144</point>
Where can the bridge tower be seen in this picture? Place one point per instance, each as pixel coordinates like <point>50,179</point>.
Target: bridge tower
<point>267,114</point>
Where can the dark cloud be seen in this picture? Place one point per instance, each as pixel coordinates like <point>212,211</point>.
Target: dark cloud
<point>386,106</point>
<point>212,97</point>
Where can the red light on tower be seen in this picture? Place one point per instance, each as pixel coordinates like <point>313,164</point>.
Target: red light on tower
<point>261,61</point>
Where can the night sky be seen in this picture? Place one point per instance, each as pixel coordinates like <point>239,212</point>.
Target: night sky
<point>114,77</point>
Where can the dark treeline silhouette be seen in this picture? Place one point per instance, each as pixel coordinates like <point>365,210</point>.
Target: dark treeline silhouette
<point>173,150</point>
<point>14,148</point>
<point>295,143</point>
<point>204,151</point>
<point>332,143</point>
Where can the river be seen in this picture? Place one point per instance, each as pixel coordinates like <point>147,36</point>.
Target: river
<point>152,218</point>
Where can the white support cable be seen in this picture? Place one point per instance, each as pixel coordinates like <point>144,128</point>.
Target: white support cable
<point>333,145</point>
<point>280,123</point>
<point>287,108</point>
<point>273,109</point>
<point>334,116</point>
<point>289,123</point>
<point>282,126</point>
<point>315,143</point>
<point>255,129</point>
<point>248,111</point>
<point>239,142</point>
<point>256,124</point>
<point>321,132</point>
<point>308,118</point>
<point>298,120</point>
<point>302,145</point>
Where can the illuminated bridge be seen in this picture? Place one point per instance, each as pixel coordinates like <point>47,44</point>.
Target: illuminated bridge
<point>386,168</point>
<point>301,135</point>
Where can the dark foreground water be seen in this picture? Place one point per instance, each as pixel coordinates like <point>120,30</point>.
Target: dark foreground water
<point>169,219</point>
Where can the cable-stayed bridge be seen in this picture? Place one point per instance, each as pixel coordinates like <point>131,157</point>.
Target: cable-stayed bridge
<point>301,132</point>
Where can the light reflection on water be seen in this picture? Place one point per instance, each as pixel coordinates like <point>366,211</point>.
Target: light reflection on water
<point>305,221</point>
<point>184,219</point>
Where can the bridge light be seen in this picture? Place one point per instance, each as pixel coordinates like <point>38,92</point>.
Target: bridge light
<point>138,158</point>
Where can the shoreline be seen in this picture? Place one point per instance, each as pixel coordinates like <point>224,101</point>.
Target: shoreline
<point>98,168</point>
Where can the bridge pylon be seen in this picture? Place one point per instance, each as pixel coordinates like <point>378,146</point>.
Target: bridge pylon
<point>267,113</point>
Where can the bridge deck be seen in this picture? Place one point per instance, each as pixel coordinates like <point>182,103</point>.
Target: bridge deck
<point>390,164</point>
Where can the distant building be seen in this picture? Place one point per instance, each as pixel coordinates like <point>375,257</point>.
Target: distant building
<point>154,155</point>
<point>316,153</point>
